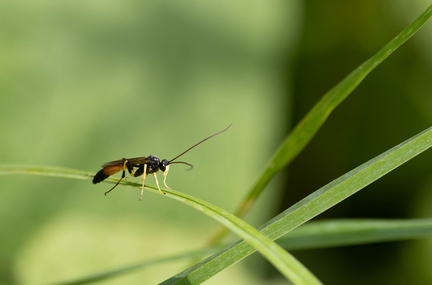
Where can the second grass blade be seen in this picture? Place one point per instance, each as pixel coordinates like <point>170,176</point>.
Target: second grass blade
<point>311,206</point>
<point>308,127</point>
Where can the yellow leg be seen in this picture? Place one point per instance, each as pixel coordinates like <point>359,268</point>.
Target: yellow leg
<point>165,176</point>
<point>124,169</point>
<point>157,183</point>
<point>143,180</point>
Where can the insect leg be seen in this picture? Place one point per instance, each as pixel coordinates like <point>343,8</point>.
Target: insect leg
<point>165,173</point>
<point>130,168</point>
<point>157,183</point>
<point>125,165</point>
<point>138,171</point>
<point>143,180</point>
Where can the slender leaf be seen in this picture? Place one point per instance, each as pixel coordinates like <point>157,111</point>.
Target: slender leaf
<point>310,124</point>
<point>304,210</point>
<point>334,233</point>
<point>320,234</point>
<point>311,206</point>
<point>282,260</point>
<point>45,171</point>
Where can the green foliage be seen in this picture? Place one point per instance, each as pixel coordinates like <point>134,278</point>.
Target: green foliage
<point>314,204</point>
<point>291,229</point>
<point>311,235</point>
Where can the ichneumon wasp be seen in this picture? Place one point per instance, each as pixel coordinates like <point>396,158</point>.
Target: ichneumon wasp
<point>144,165</point>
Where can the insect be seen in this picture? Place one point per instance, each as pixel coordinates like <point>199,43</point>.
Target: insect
<point>143,166</point>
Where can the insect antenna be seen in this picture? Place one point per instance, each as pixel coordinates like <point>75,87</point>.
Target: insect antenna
<point>207,138</point>
<point>188,164</point>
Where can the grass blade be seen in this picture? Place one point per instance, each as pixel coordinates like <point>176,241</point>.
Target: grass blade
<point>293,217</point>
<point>310,124</point>
<point>311,206</point>
<point>282,260</point>
<point>321,234</point>
<point>334,233</point>
<point>45,171</point>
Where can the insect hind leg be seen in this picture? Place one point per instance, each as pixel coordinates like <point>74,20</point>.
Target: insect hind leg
<point>125,166</point>
<point>118,182</point>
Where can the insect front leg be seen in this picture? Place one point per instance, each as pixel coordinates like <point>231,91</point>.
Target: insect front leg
<point>157,183</point>
<point>165,173</point>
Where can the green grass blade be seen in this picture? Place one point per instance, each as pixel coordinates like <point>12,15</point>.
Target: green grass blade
<point>334,233</point>
<point>282,260</point>
<point>296,215</point>
<point>45,171</point>
<point>310,124</point>
<point>321,234</point>
<point>311,206</point>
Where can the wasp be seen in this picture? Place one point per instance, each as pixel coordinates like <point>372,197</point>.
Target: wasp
<point>142,166</point>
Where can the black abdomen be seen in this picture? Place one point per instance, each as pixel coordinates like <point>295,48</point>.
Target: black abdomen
<point>100,176</point>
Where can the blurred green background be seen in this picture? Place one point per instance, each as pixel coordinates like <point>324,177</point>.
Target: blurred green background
<point>86,82</point>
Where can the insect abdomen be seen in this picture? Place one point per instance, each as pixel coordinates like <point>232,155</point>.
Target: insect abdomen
<point>106,172</point>
<point>100,176</point>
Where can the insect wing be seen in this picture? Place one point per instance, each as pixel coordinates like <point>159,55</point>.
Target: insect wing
<point>132,161</point>
<point>139,160</point>
<point>113,163</point>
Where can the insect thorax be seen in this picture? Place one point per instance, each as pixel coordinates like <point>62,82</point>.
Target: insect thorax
<point>153,164</point>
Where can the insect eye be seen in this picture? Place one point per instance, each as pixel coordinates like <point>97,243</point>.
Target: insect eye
<point>163,165</point>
